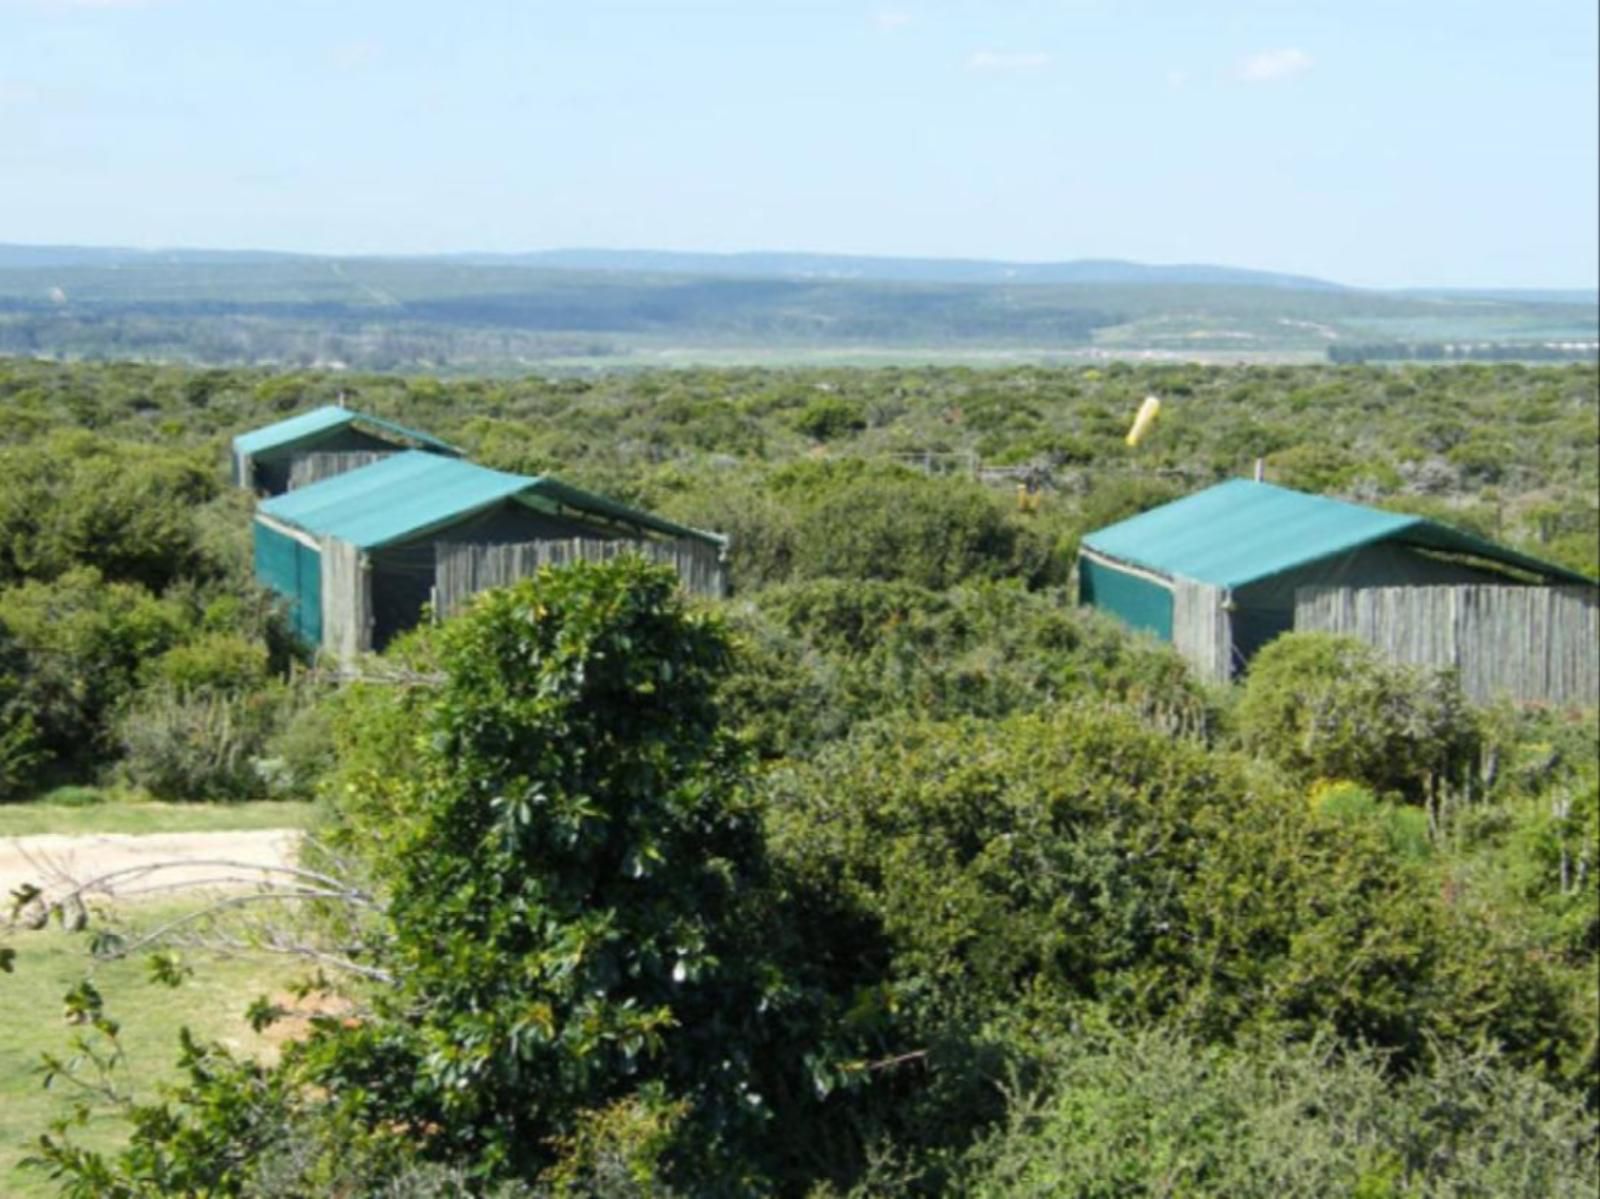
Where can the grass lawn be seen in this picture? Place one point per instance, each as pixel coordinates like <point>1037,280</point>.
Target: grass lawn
<point>26,819</point>
<point>211,1003</point>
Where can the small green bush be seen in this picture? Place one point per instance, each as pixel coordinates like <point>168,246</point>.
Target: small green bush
<point>71,651</point>
<point>1324,706</point>
<point>1155,1114</point>
<point>199,744</point>
<point>1405,827</point>
<point>829,417</point>
<point>213,662</point>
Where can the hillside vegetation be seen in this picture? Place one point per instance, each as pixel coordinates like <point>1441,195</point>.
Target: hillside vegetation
<point>502,313</point>
<point>896,873</point>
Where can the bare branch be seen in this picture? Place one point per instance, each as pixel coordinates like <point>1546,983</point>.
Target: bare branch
<point>173,929</point>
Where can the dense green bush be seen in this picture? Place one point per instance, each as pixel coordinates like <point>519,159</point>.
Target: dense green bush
<point>852,520</point>
<point>200,743</point>
<point>907,526</point>
<point>1331,707</point>
<point>221,662</point>
<point>79,500</point>
<point>73,650</point>
<point>828,417</point>
<point>1156,1114</point>
<point>1038,863</point>
<point>820,657</point>
<point>1012,869</point>
<point>577,910</point>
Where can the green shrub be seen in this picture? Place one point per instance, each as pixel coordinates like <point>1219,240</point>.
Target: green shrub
<point>212,662</point>
<point>830,653</point>
<point>71,651</point>
<point>302,752</point>
<point>934,532</point>
<point>199,744</point>
<point>854,521</point>
<point>1330,707</point>
<point>577,913</point>
<point>828,417</point>
<point>1406,828</point>
<point>1041,862</point>
<point>1155,1114</point>
<point>80,500</point>
<point>21,753</point>
<point>76,797</point>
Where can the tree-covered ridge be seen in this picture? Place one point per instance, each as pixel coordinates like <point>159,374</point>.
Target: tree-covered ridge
<point>501,313</point>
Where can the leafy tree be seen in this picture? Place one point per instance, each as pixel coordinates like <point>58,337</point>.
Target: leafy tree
<point>577,914</point>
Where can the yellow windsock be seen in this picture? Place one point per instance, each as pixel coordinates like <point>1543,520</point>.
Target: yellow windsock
<point>1145,418</point>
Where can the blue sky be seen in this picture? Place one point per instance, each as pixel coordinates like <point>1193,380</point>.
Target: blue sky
<point>1377,142</point>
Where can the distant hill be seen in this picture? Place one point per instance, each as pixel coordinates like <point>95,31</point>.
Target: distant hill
<point>780,265</point>
<point>907,270</point>
<point>491,312</point>
<point>757,265</point>
<point>15,257</point>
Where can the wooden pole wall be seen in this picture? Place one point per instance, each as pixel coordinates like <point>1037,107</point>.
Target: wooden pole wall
<point>1535,644</point>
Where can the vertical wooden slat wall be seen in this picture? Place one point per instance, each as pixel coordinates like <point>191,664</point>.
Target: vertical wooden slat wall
<point>463,570</point>
<point>1200,630</point>
<point>306,469</point>
<point>1536,644</point>
<point>346,600</point>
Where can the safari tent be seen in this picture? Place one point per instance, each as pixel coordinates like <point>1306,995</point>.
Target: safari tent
<point>1219,573</point>
<point>318,444</point>
<point>357,556</point>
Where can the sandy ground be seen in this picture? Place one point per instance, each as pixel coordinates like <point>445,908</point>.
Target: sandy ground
<point>55,862</point>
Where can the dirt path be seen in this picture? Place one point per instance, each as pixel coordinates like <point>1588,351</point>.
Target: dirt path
<point>54,860</point>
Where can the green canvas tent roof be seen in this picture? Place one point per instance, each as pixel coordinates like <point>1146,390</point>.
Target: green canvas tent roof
<point>286,433</point>
<point>1240,532</point>
<point>411,493</point>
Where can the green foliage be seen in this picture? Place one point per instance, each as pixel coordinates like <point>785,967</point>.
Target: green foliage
<point>925,531</point>
<point>1557,846</point>
<point>1036,864</point>
<point>852,520</point>
<point>222,662</point>
<point>198,744</point>
<point>78,500</point>
<point>994,829</point>
<point>583,844</point>
<point>1330,707</point>
<point>577,914</point>
<point>820,657</point>
<point>71,651</point>
<point>994,855</point>
<point>1156,1114</point>
<point>20,751</point>
<point>828,417</point>
<point>1406,828</point>
<point>617,1152</point>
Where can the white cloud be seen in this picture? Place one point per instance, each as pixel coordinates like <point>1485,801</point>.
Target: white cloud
<point>1177,80</point>
<point>1275,66</point>
<point>889,20</point>
<point>1005,61</point>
